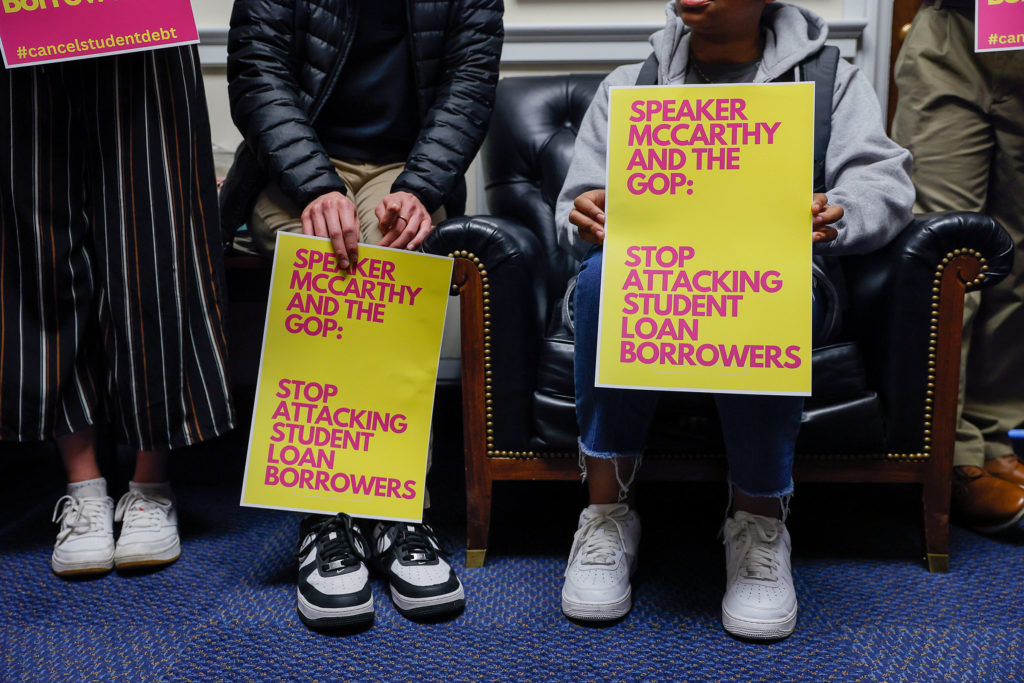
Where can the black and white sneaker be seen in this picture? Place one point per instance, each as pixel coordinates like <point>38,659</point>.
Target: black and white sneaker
<point>422,583</point>
<point>333,588</point>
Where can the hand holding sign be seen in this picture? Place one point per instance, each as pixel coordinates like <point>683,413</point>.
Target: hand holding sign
<point>404,221</point>
<point>824,216</point>
<point>333,215</point>
<point>588,216</point>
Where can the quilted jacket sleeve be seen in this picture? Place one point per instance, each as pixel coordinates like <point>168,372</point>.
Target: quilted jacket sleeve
<point>457,120</point>
<point>267,104</point>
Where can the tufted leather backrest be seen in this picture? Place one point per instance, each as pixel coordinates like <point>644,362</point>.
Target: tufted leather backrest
<point>527,154</point>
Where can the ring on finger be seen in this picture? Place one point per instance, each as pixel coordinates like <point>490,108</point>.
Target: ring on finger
<point>404,219</point>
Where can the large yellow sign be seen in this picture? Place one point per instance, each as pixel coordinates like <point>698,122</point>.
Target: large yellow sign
<point>707,258</point>
<point>346,387</point>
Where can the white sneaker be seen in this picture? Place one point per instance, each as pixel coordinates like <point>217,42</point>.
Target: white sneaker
<point>602,559</point>
<point>421,581</point>
<point>760,601</point>
<point>149,529</point>
<point>85,542</point>
<point>334,587</point>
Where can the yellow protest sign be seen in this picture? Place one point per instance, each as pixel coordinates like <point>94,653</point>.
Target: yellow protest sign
<point>346,386</point>
<point>706,283</point>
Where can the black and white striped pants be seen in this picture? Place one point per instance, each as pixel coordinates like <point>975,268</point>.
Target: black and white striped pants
<point>113,299</point>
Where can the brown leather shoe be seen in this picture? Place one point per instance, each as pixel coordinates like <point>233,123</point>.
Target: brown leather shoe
<point>1006,467</point>
<point>984,502</point>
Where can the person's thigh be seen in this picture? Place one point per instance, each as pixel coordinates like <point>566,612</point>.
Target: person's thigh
<point>272,213</point>
<point>375,184</point>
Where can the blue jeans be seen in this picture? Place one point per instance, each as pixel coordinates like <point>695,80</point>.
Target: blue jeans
<point>759,431</point>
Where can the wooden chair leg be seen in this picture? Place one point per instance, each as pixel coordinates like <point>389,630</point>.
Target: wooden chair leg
<point>478,522</point>
<point>935,498</point>
<point>467,280</point>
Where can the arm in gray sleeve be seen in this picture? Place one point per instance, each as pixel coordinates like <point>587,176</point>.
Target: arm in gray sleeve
<point>587,171</point>
<point>866,173</point>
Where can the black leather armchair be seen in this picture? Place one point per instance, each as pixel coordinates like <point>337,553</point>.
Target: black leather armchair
<point>883,405</point>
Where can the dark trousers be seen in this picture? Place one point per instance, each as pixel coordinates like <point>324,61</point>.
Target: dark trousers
<point>113,299</point>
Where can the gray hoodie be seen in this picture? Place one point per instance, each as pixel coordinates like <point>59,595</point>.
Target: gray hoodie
<point>866,173</point>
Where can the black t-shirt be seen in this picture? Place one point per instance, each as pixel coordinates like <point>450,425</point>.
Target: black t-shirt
<point>371,115</point>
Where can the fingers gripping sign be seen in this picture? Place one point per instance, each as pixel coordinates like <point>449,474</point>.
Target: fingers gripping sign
<point>404,221</point>
<point>333,215</point>
<point>823,216</point>
<point>588,216</point>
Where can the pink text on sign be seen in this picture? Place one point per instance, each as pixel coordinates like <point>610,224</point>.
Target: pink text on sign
<point>45,31</point>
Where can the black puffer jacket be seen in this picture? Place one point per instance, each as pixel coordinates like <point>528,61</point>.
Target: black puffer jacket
<point>284,57</point>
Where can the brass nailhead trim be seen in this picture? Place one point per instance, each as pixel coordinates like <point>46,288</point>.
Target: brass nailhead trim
<point>485,286</point>
<point>933,340</point>
<point>565,455</point>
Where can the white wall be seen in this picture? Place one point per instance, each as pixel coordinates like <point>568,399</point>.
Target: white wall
<point>211,12</point>
<point>216,12</point>
<point>616,11</point>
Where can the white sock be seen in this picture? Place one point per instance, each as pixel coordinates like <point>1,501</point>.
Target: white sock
<point>90,488</point>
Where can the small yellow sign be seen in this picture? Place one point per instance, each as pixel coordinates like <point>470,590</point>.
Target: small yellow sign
<point>707,258</point>
<point>346,386</point>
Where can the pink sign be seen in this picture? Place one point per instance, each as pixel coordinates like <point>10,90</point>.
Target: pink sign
<point>44,31</point>
<point>999,25</point>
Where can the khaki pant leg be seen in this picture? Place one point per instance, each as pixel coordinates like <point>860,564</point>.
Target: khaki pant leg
<point>944,118</point>
<point>372,184</point>
<point>940,114</point>
<point>377,185</point>
<point>272,213</point>
<point>994,399</point>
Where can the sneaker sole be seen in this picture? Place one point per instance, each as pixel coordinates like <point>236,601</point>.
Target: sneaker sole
<point>429,606</point>
<point>597,611</point>
<point>80,568</point>
<point>328,617</point>
<point>760,630</point>
<point>149,559</point>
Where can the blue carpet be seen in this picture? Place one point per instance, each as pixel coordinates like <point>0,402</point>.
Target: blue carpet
<point>869,611</point>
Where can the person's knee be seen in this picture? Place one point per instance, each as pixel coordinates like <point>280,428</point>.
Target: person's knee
<point>588,281</point>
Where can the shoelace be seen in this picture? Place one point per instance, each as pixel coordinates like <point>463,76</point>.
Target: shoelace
<point>336,552</point>
<point>755,536</point>
<point>414,542</point>
<point>599,545</point>
<point>139,511</point>
<point>79,515</point>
